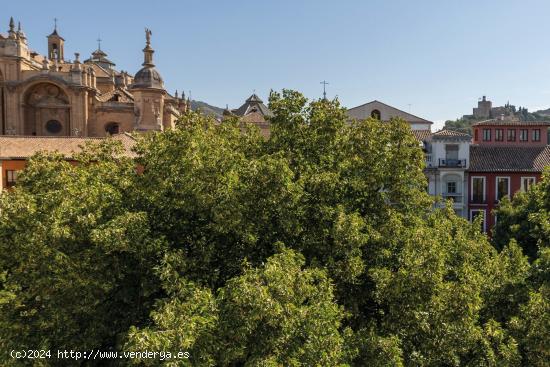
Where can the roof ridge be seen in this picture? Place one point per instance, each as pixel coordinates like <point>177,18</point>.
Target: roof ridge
<point>395,108</point>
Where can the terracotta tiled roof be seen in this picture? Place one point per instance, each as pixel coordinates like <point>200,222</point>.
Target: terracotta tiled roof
<point>509,159</point>
<point>23,147</point>
<point>445,133</point>
<point>422,135</point>
<point>497,122</point>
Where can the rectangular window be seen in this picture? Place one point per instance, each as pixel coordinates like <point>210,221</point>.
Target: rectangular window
<point>11,178</point>
<point>451,187</point>
<point>476,137</point>
<point>511,134</point>
<point>536,134</point>
<point>523,135</point>
<point>503,187</point>
<point>526,183</point>
<point>478,190</point>
<point>486,134</point>
<point>474,213</point>
<point>499,135</point>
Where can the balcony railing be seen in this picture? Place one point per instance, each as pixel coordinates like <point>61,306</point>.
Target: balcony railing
<point>458,163</point>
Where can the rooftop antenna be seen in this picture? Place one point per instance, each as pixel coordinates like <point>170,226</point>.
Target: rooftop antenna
<point>325,83</point>
<point>55,24</point>
<point>99,43</point>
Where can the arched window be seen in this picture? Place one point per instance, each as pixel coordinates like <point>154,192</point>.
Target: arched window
<point>47,110</point>
<point>112,128</point>
<point>53,126</point>
<point>375,114</point>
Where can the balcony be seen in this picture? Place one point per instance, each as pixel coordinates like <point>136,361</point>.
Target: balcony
<point>452,163</point>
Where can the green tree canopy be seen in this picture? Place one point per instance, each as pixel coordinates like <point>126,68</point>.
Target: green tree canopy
<point>526,219</point>
<point>317,246</point>
<point>76,260</point>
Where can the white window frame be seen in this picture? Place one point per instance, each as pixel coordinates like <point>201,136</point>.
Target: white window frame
<point>496,186</point>
<point>456,187</point>
<point>484,187</point>
<point>487,137</point>
<point>14,175</point>
<point>533,137</point>
<point>521,131</point>
<point>471,219</point>
<point>522,188</point>
<point>497,131</point>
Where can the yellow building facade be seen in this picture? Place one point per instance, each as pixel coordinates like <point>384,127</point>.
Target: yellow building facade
<point>48,95</point>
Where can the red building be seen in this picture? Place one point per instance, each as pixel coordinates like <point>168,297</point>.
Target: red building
<point>507,156</point>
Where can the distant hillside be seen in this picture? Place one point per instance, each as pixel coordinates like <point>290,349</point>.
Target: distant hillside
<point>464,124</point>
<point>207,109</point>
<point>545,113</point>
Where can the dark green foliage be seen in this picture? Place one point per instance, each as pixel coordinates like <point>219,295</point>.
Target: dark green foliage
<point>526,219</point>
<point>76,261</point>
<point>316,247</point>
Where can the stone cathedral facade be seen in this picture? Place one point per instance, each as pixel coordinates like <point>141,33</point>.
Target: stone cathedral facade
<point>48,95</point>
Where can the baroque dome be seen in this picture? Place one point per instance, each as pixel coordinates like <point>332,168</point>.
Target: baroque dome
<point>148,77</point>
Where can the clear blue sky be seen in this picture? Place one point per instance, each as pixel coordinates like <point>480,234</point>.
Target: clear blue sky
<point>437,56</point>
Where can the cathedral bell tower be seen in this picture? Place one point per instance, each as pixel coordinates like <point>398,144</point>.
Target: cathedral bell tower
<point>55,45</point>
<point>148,90</point>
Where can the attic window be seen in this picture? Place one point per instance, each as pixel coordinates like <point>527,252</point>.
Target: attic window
<point>115,98</point>
<point>375,114</point>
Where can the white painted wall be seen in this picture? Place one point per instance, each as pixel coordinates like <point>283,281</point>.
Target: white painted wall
<point>438,150</point>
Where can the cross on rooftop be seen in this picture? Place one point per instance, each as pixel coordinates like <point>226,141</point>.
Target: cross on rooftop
<point>325,83</point>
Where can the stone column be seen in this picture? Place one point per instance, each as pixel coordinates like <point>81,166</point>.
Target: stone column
<point>13,123</point>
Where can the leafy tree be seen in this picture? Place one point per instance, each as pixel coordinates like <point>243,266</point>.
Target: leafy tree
<point>278,315</point>
<point>532,325</point>
<point>75,260</point>
<point>317,246</point>
<point>526,219</point>
<point>462,124</point>
<point>349,196</point>
<point>214,196</point>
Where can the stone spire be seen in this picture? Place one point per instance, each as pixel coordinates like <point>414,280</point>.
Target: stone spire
<point>11,31</point>
<point>20,34</point>
<point>148,50</point>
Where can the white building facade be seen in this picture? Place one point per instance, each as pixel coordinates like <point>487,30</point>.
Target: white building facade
<point>447,162</point>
